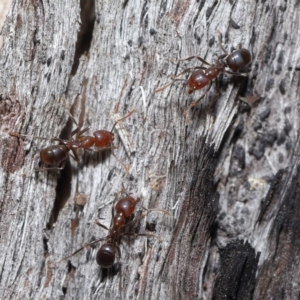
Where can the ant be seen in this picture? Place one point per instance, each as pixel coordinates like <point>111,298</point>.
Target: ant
<point>203,76</point>
<point>57,154</point>
<point>122,217</point>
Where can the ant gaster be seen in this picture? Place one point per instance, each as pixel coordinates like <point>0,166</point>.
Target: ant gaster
<point>122,215</point>
<point>203,76</point>
<point>57,154</point>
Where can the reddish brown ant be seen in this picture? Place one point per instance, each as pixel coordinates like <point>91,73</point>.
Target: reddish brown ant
<point>57,154</point>
<point>203,76</point>
<point>122,215</point>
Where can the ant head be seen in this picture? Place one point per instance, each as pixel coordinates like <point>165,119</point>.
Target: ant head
<point>238,59</point>
<point>103,138</point>
<point>106,255</point>
<point>126,205</point>
<point>54,154</point>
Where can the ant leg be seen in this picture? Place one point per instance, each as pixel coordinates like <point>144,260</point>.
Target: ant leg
<point>74,253</point>
<point>81,248</point>
<point>112,213</point>
<point>77,130</point>
<point>42,169</point>
<point>18,135</point>
<point>126,167</point>
<point>221,56</point>
<point>68,110</point>
<point>118,250</point>
<point>140,217</point>
<point>165,86</point>
<point>74,155</point>
<point>120,270</point>
<point>143,215</point>
<point>237,73</point>
<point>214,99</point>
<point>143,234</point>
<point>101,225</point>
<point>188,70</point>
<point>213,102</point>
<point>50,168</point>
<point>196,57</point>
<point>194,103</point>
<point>197,101</point>
<point>73,120</point>
<point>85,129</point>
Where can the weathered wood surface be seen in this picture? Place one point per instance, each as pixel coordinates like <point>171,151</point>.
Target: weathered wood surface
<point>227,176</point>
<point>4,7</point>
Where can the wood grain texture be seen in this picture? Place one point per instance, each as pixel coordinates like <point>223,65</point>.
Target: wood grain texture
<point>228,175</point>
<point>4,7</point>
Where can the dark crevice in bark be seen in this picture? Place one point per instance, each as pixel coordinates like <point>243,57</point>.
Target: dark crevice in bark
<point>194,226</point>
<point>283,243</point>
<point>63,192</point>
<point>63,188</point>
<point>85,33</point>
<point>70,275</point>
<point>236,277</point>
<point>210,9</point>
<point>45,244</point>
<point>272,197</point>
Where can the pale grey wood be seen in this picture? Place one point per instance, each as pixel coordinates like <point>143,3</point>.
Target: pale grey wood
<point>126,62</point>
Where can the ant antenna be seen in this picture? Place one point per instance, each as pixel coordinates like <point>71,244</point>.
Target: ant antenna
<point>122,119</point>
<point>126,167</point>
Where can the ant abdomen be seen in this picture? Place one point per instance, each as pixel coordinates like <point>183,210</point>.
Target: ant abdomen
<point>106,255</point>
<point>54,154</point>
<point>103,138</point>
<point>238,59</point>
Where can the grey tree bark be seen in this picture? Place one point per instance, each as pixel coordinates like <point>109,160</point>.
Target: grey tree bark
<point>228,175</point>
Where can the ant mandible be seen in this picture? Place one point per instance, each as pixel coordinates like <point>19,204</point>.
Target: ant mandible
<point>203,76</point>
<point>57,154</point>
<point>122,215</point>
